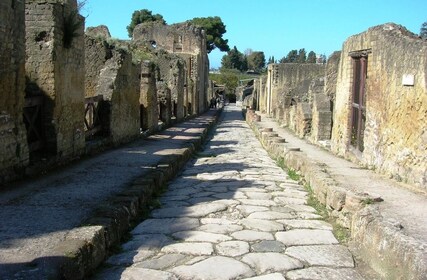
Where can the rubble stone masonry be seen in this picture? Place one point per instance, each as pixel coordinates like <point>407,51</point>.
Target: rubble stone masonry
<point>111,73</point>
<point>189,43</point>
<point>55,66</point>
<point>148,97</point>
<point>171,72</point>
<point>289,79</point>
<point>13,140</point>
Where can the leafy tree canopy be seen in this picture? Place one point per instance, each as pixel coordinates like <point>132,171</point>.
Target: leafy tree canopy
<point>234,60</point>
<point>271,60</point>
<point>292,57</point>
<point>256,61</point>
<point>423,30</point>
<point>299,56</point>
<point>215,29</point>
<point>142,16</point>
<point>302,57</point>
<point>229,78</point>
<point>311,58</point>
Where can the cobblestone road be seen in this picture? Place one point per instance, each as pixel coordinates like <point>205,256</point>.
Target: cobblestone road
<point>232,214</point>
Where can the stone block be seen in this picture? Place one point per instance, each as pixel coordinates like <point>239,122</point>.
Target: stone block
<point>82,251</point>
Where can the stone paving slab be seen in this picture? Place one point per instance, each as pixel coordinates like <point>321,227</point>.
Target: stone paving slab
<point>166,226</point>
<point>322,255</point>
<point>386,233</point>
<point>295,237</point>
<point>41,218</point>
<point>251,222</point>
<point>214,268</point>
<point>273,276</point>
<point>270,261</point>
<point>321,273</point>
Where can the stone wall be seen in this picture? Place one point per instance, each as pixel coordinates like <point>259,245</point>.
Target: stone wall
<point>189,43</point>
<point>148,97</point>
<point>164,103</point>
<point>332,65</point>
<point>171,73</point>
<point>13,141</point>
<point>289,79</point>
<point>303,119</point>
<point>55,71</point>
<point>261,87</point>
<point>395,135</point>
<point>50,72</point>
<point>321,118</point>
<point>111,73</point>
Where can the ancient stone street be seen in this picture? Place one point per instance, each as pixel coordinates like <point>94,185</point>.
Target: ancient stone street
<point>232,214</point>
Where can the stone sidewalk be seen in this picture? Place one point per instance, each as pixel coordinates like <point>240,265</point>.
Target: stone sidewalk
<point>232,214</point>
<point>387,219</point>
<point>62,224</point>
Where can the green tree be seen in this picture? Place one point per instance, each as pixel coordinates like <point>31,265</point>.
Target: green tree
<point>227,77</point>
<point>292,57</point>
<point>234,60</point>
<point>323,58</point>
<point>142,16</point>
<point>215,29</point>
<point>302,57</point>
<point>311,58</point>
<point>423,30</point>
<point>256,61</point>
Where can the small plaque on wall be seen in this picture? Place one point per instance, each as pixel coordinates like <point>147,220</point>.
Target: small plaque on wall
<point>408,80</point>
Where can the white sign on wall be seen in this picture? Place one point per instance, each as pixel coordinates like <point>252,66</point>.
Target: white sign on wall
<point>408,80</point>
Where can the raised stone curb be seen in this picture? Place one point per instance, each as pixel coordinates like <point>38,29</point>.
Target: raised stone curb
<point>381,244</point>
<point>86,247</point>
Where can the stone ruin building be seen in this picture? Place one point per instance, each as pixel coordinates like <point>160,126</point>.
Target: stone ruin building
<point>65,92</point>
<point>368,103</point>
<point>189,44</point>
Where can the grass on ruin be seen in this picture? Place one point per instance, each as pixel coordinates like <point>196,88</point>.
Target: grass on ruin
<point>72,24</point>
<point>293,175</point>
<point>291,172</point>
<point>341,233</point>
<point>367,201</point>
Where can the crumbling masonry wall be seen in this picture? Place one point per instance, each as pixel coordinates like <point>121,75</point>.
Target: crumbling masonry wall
<point>395,135</point>
<point>261,88</point>
<point>189,43</point>
<point>111,74</point>
<point>55,70</point>
<point>171,73</point>
<point>323,103</point>
<point>332,66</point>
<point>164,103</point>
<point>13,140</point>
<point>321,125</point>
<point>149,114</point>
<point>289,80</point>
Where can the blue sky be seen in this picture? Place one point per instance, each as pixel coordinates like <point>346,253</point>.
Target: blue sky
<point>272,26</point>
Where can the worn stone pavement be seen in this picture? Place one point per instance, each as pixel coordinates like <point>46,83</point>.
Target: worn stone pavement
<point>232,214</point>
<point>38,215</point>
